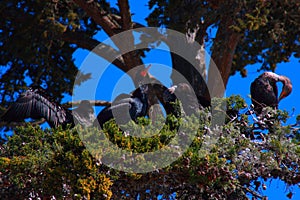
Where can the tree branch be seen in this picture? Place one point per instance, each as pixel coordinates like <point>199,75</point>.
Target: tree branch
<point>118,19</point>
<point>112,27</point>
<point>125,14</point>
<point>15,124</point>
<point>222,55</point>
<point>253,192</point>
<point>100,16</point>
<point>100,49</point>
<point>93,102</point>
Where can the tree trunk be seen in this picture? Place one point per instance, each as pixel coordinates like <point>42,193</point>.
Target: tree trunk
<point>222,55</point>
<point>188,60</point>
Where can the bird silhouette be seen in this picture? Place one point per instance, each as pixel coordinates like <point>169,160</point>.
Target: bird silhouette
<point>264,91</point>
<point>35,104</point>
<point>125,107</point>
<point>166,99</point>
<point>191,103</point>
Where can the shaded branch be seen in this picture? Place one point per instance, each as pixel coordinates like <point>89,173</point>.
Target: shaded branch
<point>125,14</point>
<point>253,193</point>
<point>119,20</point>
<point>93,102</point>
<point>100,16</point>
<point>103,50</point>
<point>223,51</point>
<point>113,27</point>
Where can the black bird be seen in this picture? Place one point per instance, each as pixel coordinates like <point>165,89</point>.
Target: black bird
<point>165,98</point>
<point>264,91</point>
<point>84,114</point>
<point>191,103</point>
<point>125,107</point>
<point>35,104</point>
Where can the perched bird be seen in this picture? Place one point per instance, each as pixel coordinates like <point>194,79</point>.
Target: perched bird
<point>191,103</point>
<point>166,98</point>
<point>84,114</point>
<point>125,108</point>
<point>264,91</point>
<point>35,104</point>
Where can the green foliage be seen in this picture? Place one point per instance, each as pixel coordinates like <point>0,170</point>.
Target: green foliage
<point>269,29</point>
<point>221,162</point>
<point>31,46</point>
<point>52,162</point>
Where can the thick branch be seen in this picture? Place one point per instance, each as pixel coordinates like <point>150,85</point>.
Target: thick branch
<point>125,14</point>
<point>223,51</point>
<point>101,49</point>
<point>112,27</point>
<point>118,19</point>
<point>127,42</point>
<point>100,16</point>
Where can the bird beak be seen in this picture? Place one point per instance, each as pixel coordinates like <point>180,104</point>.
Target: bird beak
<point>282,95</point>
<point>145,71</point>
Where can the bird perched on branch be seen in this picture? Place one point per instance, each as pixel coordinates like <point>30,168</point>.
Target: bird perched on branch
<point>35,104</point>
<point>264,91</point>
<point>125,107</point>
<point>191,103</point>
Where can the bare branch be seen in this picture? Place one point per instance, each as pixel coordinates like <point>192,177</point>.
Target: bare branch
<point>119,20</point>
<point>103,50</point>
<point>253,192</point>
<point>125,14</point>
<point>93,102</point>
<point>112,27</point>
<point>100,16</point>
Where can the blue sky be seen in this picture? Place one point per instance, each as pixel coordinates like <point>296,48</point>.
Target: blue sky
<point>113,81</point>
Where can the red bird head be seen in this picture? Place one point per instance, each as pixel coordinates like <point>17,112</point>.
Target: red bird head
<point>145,71</point>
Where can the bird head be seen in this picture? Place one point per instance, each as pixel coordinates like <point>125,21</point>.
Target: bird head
<point>287,87</point>
<point>145,71</point>
<point>142,75</point>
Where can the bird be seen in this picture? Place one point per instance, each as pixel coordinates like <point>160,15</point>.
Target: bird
<point>125,108</point>
<point>264,91</point>
<point>191,103</point>
<point>84,114</point>
<point>166,98</point>
<point>34,103</point>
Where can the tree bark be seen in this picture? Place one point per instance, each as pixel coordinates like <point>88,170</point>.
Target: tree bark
<point>103,50</point>
<point>189,63</point>
<point>222,55</point>
<point>112,26</point>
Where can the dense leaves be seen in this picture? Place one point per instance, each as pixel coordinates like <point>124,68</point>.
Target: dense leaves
<point>223,162</point>
<point>32,50</point>
<point>269,29</point>
<point>43,164</point>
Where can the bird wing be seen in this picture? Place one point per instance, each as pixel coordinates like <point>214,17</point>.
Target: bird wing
<point>31,104</point>
<point>118,111</point>
<point>121,97</point>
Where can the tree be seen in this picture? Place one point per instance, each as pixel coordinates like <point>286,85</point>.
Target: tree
<point>38,39</point>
